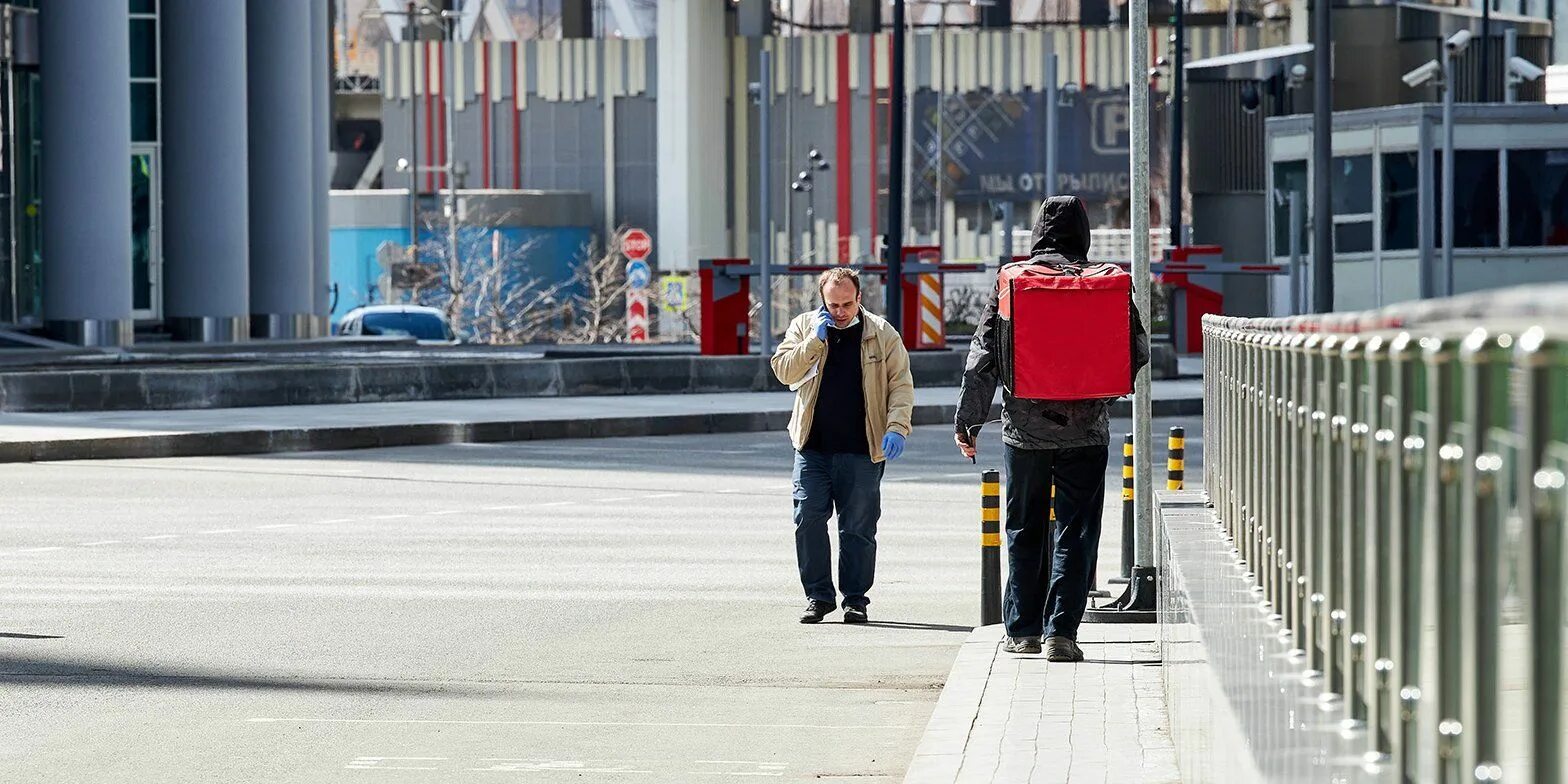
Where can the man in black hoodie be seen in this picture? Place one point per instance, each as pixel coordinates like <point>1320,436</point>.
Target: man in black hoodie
<point>1044,442</point>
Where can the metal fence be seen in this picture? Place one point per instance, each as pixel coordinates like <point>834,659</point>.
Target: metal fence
<point>1393,484</point>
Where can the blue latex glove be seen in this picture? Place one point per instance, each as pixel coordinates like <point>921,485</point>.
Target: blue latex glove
<point>892,446</point>
<point>823,320</point>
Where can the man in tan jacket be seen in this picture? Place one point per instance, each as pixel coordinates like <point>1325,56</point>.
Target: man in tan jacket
<point>853,400</point>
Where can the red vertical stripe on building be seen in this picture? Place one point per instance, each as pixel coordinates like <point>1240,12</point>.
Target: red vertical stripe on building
<point>430,128</point>
<point>446,95</point>
<point>846,167</point>
<point>517,121</point>
<point>484,102</point>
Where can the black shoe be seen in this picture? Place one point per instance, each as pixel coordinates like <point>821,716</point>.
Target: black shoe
<point>816,611</point>
<point>855,615</point>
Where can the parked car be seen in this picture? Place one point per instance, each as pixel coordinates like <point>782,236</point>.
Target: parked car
<point>426,325</point>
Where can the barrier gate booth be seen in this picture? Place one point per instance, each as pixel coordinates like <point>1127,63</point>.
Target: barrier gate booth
<point>726,298</point>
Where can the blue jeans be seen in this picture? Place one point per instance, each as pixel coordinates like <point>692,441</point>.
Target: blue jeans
<point>1053,597</point>
<point>852,485</point>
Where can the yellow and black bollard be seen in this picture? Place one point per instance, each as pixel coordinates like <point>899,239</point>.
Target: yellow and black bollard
<point>990,547</point>
<point>1176,460</point>
<point>1128,508</point>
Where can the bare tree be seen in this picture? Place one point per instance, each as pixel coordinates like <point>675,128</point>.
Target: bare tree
<point>598,306</point>
<point>486,288</point>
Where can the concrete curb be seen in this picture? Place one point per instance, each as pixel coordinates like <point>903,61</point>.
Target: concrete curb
<point>331,439</point>
<point>940,754</point>
<point>166,387</point>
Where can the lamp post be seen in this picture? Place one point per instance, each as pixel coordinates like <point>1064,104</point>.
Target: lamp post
<point>894,246</point>
<point>413,15</point>
<point>805,183</point>
<point>894,242</point>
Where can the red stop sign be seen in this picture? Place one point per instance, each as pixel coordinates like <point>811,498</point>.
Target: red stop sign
<point>636,244</point>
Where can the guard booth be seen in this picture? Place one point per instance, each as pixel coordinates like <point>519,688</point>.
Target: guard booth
<point>726,298</point>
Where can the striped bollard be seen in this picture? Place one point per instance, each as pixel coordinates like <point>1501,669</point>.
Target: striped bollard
<point>990,547</point>
<point>1176,460</point>
<point>1127,509</point>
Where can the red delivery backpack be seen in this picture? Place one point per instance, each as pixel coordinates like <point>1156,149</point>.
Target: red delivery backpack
<point>1065,330</point>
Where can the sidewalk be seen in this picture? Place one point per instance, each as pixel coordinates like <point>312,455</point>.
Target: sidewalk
<point>1022,720</point>
<point>27,437</point>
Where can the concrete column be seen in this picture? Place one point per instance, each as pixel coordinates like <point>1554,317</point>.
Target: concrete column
<point>690,125</point>
<point>321,149</point>
<point>85,72</point>
<point>282,210</point>
<point>206,242</point>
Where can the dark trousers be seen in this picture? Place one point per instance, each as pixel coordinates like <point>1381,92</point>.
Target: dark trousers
<point>852,485</point>
<point>1048,597</point>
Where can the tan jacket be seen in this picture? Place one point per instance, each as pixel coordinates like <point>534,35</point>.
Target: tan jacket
<point>889,388</point>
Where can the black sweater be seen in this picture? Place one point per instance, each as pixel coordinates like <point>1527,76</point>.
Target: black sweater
<point>839,423</point>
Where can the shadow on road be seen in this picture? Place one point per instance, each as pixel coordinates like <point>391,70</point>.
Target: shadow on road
<point>20,636</point>
<point>23,670</point>
<point>930,627</point>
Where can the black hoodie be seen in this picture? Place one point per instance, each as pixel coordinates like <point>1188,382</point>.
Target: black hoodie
<point>1061,236</point>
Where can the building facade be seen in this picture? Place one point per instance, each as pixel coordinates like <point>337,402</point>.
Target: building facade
<point>165,169</point>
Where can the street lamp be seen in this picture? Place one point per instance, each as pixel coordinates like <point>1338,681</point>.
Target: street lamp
<point>1440,74</point>
<point>410,13</point>
<point>805,183</point>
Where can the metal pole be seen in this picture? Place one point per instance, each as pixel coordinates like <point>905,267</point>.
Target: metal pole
<point>765,194</point>
<point>1448,177</point>
<point>410,20</point>
<point>1510,50</point>
<point>895,174</point>
<point>1143,283</point>
<point>1486,52</point>
<point>1052,127</point>
<point>1178,114</point>
<point>1298,282</point>
<point>455,268</point>
<point>1322,159</point>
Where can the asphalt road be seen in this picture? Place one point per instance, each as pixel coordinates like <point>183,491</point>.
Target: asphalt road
<point>619,610</point>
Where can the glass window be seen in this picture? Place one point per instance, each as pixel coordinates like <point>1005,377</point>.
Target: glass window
<point>144,6</point>
<point>420,326</point>
<point>1401,201</point>
<point>1354,237</point>
<point>144,111</point>
<point>1290,177</point>
<point>1476,195</point>
<point>1352,183</point>
<point>141,232</point>
<point>144,48</point>
<point>1537,197</point>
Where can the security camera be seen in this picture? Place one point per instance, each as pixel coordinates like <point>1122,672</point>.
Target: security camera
<point>402,164</point>
<point>1524,69</point>
<point>1426,73</point>
<point>1457,42</point>
<point>1251,98</point>
<point>1298,71</point>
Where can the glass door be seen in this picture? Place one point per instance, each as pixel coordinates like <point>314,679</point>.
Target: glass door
<point>146,247</point>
